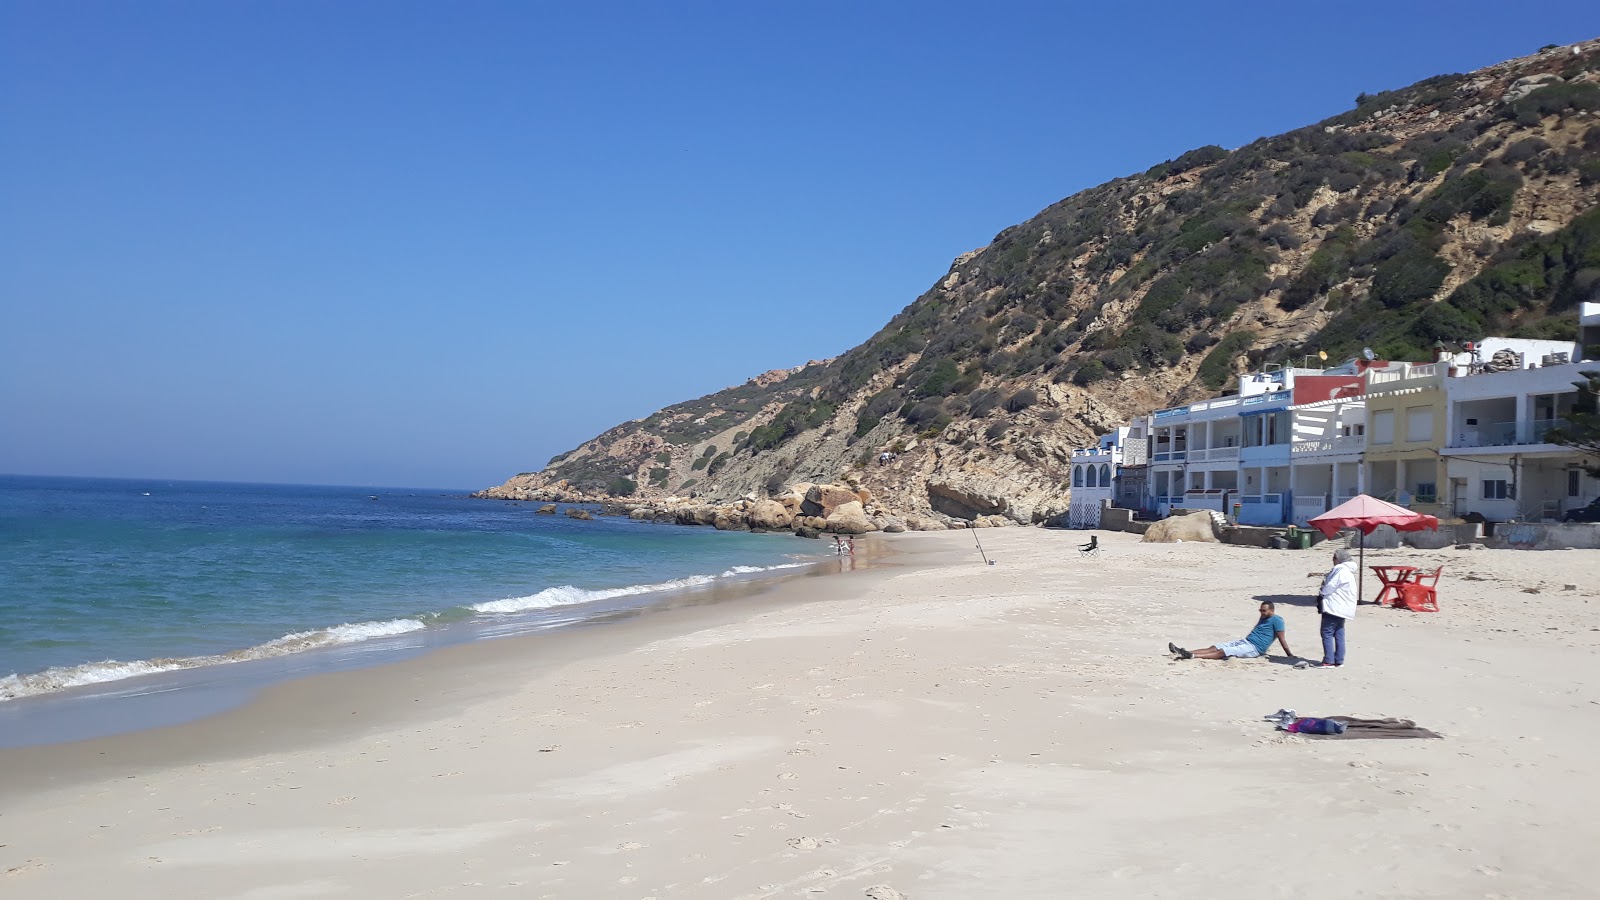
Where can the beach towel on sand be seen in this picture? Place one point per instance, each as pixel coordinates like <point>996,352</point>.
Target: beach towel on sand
<point>1374,729</point>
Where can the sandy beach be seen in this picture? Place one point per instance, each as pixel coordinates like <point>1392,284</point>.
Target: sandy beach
<point>936,728</point>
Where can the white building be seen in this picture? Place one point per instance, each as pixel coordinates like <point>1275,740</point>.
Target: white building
<point>1328,437</point>
<point>1196,450</point>
<point>1094,471</point>
<point>1497,460</point>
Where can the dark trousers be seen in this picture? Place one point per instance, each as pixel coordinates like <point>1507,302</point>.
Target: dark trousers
<point>1332,639</point>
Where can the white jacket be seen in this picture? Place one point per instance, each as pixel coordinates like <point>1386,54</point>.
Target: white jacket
<point>1339,590</point>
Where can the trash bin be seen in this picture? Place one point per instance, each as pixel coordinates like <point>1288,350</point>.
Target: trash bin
<point>1299,540</point>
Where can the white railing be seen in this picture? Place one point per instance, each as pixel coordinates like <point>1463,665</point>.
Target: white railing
<point>1506,434</point>
<point>1343,444</point>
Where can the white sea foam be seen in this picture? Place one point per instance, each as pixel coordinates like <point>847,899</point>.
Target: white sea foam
<point>63,677</point>
<point>567,595</point>
<point>751,570</point>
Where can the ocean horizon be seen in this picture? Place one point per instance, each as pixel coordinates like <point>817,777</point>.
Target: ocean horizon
<point>113,579</point>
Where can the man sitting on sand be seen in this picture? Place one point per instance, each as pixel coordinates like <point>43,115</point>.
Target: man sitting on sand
<point>1254,644</point>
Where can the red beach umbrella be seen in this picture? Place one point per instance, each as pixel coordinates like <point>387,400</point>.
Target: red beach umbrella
<point>1365,514</point>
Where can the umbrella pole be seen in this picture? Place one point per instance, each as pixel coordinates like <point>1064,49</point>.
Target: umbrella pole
<point>1361,567</point>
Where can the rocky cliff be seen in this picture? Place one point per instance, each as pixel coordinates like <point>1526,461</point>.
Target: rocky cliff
<point>1461,206</point>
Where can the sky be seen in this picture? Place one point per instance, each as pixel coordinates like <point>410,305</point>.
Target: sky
<point>435,244</point>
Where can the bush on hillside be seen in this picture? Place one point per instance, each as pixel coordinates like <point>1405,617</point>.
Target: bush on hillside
<point>1408,277</point>
<point>1090,372</point>
<point>622,487</point>
<point>1216,370</point>
<point>1021,400</point>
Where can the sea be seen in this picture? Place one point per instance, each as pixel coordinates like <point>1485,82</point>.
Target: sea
<point>107,584</point>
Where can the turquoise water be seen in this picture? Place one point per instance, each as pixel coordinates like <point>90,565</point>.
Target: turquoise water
<point>102,580</point>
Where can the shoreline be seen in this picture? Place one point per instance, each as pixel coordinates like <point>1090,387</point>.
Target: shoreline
<point>284,698</point>
<point>231,675</point>
<point>937,729</point>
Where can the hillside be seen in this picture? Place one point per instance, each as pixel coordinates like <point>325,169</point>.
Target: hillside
<point>1458,207</point>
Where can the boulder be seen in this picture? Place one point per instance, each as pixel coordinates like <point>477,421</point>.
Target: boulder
<point>639,513</point>
<point>923,523</point>
<point>729,518</point>
<point>549,509</point>
<point>580,514</point>
<point>1191,525</point>
<point>1526,85</point>
<point>814,522</point>
<point>823,499</point>
<point>990,522</point>
<point>864,495</point>
<point>969,497</point>
<point>850,518</point>
<point>893,528</point>
<point>769,514</point>
<point>804,532</point>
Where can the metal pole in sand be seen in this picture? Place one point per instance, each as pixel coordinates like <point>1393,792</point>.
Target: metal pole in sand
<point>980,548</point>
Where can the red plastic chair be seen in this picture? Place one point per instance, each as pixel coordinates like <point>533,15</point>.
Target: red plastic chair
<point>1421,594</point>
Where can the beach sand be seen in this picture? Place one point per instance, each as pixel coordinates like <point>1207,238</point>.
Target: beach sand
<point>934,729</point>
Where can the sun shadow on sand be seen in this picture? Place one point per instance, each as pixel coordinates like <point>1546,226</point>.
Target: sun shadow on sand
<point>1288,599</point>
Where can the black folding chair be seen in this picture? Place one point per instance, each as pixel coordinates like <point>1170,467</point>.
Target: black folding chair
<point>1092,548</point>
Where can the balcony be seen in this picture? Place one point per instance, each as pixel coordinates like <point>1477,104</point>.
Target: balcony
<point>1346,443</point>
<point>1406,376</point>
<point>1504,434</point>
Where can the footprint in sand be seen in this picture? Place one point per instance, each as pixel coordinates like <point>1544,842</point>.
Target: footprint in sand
<point>804,843</point>
<point>630,845</point>
<point>884,892</point>
<point>788,776</point>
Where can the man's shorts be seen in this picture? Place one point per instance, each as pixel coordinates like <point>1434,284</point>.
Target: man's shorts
<point>1240,649</point>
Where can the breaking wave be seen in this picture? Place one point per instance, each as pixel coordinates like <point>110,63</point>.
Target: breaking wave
<point>64,677</point>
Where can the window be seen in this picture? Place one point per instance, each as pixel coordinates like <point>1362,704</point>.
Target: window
<point>1497,489</point>
<point>1419,424</point>
<point>1105,475</point>
<point>1077,476</point>
<point>1383,426</point>
<point>1574,487</point>
<point>1427,492</point>
<point>1089,479</point>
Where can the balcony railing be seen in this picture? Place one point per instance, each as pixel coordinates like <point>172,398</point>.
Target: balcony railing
<point>1409,373</point>
<point>1345,443</point>
<point>1505,434</point>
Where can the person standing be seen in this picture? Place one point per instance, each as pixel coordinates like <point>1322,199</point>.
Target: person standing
<point>1336,601</point>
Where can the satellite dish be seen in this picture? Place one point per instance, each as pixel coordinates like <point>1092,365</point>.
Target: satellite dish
<point>1322,355</point>
<point>1367,352</point>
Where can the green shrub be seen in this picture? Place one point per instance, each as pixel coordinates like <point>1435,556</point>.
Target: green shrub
<point>1408,277</point>
<point>1090,372</point>
<point>664,458</point>
<point>876,407</point>
<point>937,380</point>
<point>658,477</point>
<point>1217,368</point>
<point>717,464</point>
<point>700,463</point>
<point>622,487</point>
<point>710,451</point>
<point>1021,400</point>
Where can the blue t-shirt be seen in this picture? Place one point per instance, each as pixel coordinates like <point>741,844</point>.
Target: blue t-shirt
<point>1261,636</point>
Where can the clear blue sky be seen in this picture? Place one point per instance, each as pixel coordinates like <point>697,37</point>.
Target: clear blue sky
<point>434,244</point>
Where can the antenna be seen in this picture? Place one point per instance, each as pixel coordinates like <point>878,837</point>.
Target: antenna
<point>1367,352</point>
